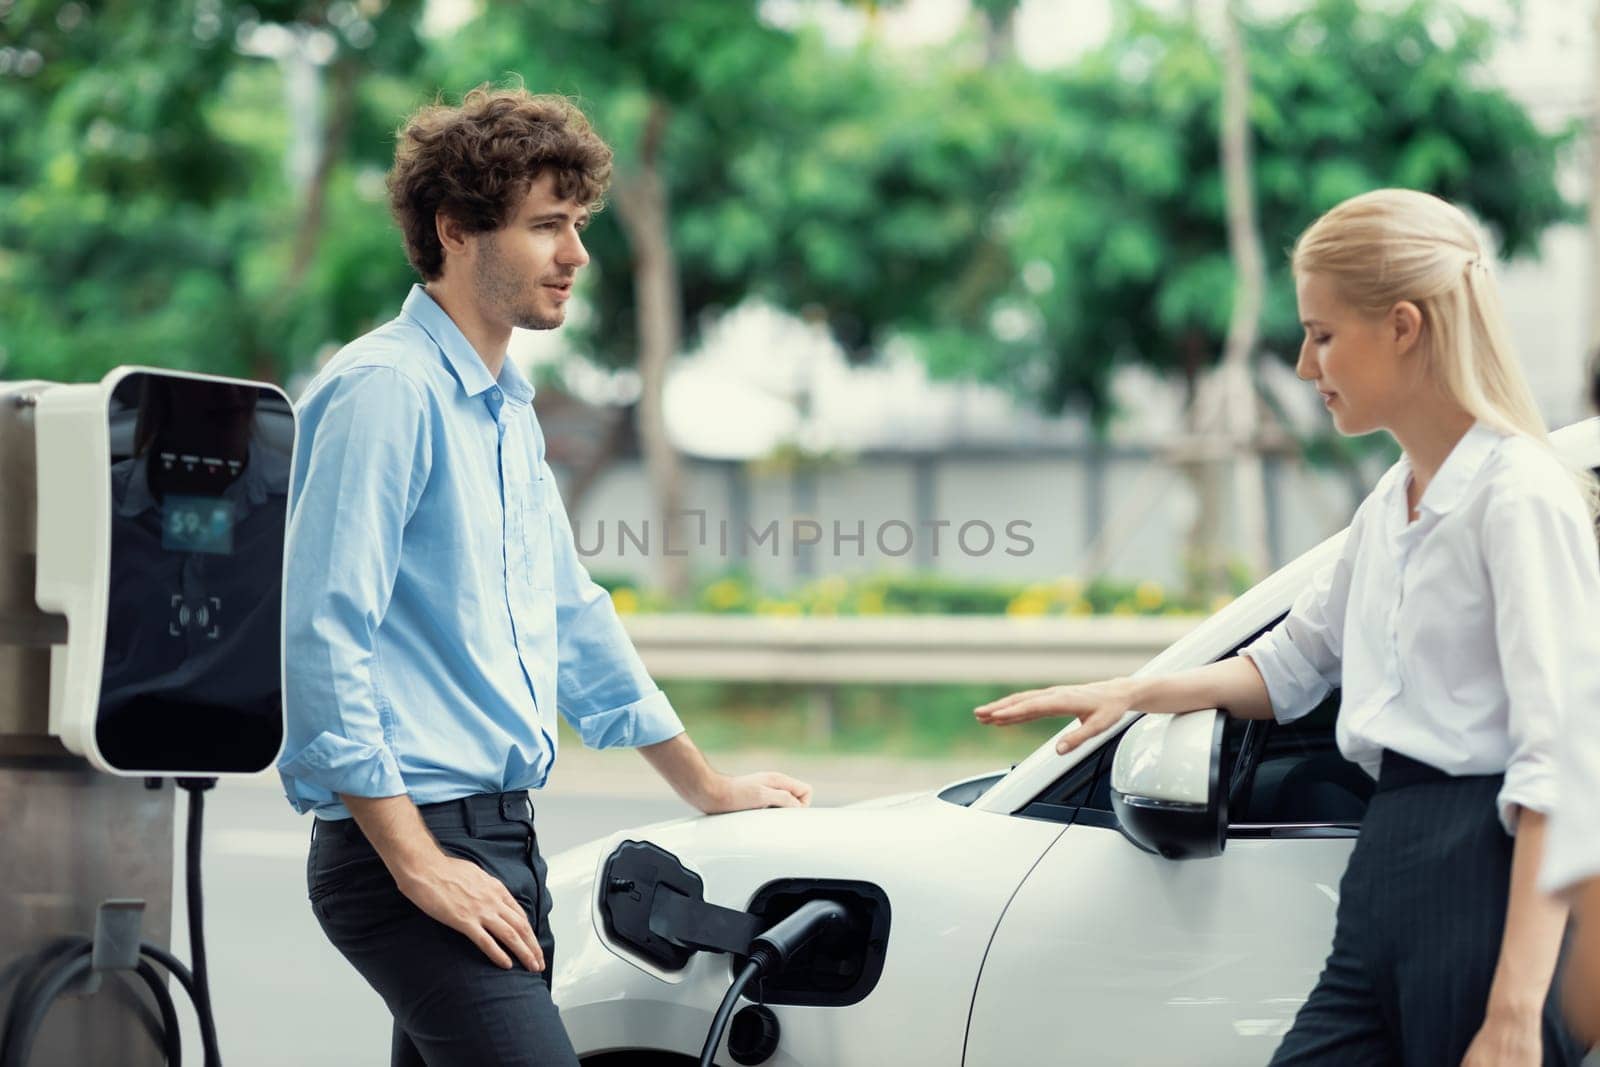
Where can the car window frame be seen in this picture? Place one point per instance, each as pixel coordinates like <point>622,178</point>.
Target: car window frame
<point>1276,830</point>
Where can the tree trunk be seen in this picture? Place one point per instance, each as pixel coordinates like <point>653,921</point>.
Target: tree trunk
<point>1223,412</point>
<point>642,208</point>
<point>1240,405</point>
<point>582,476</point>
<point>343,81</point>
<point>1594,204</point>
<point>999,32</point>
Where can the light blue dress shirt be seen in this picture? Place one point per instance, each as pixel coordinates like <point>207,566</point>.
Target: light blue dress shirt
<point>436,614</point>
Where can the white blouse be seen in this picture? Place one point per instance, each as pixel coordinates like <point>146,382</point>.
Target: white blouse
<point>1460,639</point>
<point>1572,844</point>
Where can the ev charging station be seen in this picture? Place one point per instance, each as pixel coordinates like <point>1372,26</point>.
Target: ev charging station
<point>142,523</point>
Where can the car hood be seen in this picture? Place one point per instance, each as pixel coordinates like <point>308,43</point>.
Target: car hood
<point>946,871</point>
<point>929,856</point>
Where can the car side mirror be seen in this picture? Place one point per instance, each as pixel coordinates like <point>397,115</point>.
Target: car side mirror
<point>1166,784</point>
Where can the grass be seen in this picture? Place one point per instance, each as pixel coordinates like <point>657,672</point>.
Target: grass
<point>902,721</point>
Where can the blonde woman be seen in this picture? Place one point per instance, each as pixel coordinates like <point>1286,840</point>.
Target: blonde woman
<point>1451,620</point>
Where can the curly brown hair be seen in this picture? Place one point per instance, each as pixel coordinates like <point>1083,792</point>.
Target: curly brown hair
<point>475,162</point>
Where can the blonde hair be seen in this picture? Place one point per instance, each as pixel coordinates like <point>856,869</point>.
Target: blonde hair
<point>1390,245</point>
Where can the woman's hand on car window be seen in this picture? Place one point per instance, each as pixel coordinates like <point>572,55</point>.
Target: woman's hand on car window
<point>1097,706</point>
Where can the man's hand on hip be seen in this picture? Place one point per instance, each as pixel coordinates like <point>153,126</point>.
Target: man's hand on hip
<point>474,903</point>
<point>455,892</point>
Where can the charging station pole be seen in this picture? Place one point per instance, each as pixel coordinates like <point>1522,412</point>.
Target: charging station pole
<point>70,838</point>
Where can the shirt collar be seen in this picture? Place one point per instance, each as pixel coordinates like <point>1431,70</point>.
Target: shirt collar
<point>514,383</point>
<point>1457,471</point>
<point>458,351</point>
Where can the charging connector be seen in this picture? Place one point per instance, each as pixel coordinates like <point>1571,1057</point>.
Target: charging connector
<point>769,952</point>
<point>819,942</point>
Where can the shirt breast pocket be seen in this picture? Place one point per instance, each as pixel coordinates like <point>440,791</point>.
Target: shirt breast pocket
<point>537,543</point>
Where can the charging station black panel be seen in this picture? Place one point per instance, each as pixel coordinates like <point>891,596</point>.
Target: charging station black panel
<point>199,489</point>
<point>841,965</point>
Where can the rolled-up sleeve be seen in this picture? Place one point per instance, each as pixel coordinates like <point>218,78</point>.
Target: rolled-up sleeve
<point>602,687</point>
<point>1545,578</point>
<point>1572,843</point>
<point>1300,658</point>
<point>363,462</point>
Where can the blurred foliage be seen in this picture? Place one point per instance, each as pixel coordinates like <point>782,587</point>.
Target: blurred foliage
<point>1117,230</point>
<point>146,211</point>
<point>898,721</point>
<point>722,76</point>
<point>902,721</point>
<point>1032,228</point>
<point>738,593</point>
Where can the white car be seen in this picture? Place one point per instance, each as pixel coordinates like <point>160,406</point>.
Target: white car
<point>1163,895</point>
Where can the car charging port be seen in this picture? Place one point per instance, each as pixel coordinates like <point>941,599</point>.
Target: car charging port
<point>843,964</point>
<point>811,941</point>
<point>769,953</point>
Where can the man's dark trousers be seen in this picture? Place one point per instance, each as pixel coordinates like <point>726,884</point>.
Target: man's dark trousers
<point>451,1004</point>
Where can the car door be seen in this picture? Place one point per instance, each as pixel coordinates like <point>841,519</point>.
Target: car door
<point>1109,954</point>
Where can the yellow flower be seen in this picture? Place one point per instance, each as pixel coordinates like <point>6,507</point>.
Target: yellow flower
<point>833,587</point>
<point>1149,596</point>
<point>1080,606</point>
<point>626,601</point>
<point>778,607</point>
<point>1069,589</point>
<point>870,603</point>
<point>1028,603</point>
<point>1124,607</point>
<point>724,593</point>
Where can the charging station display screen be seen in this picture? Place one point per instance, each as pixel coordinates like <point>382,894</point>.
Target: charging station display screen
<point>199,484</point>
<point>197,524</point>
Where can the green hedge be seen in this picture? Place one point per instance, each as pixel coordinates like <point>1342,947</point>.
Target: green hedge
<point>736,592</point>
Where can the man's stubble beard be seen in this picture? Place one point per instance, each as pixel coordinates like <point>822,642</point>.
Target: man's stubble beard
<point>505,289</point>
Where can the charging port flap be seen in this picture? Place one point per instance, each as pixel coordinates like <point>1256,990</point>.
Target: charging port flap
<point>655,906</point>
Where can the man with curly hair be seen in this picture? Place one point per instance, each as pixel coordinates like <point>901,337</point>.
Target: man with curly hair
<point>436,614</point>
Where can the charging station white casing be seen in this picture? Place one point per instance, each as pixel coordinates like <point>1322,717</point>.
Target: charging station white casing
<point>73,445</point>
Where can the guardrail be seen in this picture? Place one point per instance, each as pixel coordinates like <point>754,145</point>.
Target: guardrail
<point>829,651</point>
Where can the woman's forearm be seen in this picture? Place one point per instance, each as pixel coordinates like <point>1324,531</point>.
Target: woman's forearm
<point>1233,684</point>
<point>1534,926</point>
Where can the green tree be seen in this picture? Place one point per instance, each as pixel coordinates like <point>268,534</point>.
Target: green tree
<point>1118,237</point>
<point>145,216</point>
<point>117,220</point>
<point>754,163</point>
<point>675,89</point>
<point>1033,228</point>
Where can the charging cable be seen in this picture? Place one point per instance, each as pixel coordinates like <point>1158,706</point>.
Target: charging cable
<point>769,952</point>
<point>58,966</point>
<point>201,993</point>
